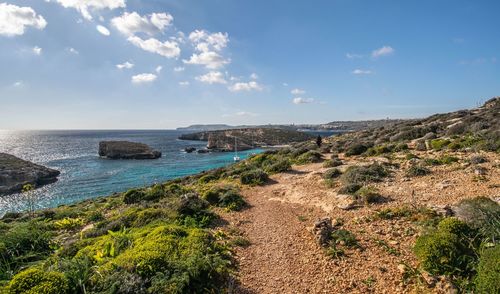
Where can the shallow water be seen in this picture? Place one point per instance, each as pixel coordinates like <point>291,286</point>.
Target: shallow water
<point>85,175</point>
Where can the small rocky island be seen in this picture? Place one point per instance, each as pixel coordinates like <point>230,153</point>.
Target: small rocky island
<point>247,138</point>
<point>127,150</point>
<point>16,172</point>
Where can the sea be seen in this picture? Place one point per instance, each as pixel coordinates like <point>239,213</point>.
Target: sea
<point>84,175</point>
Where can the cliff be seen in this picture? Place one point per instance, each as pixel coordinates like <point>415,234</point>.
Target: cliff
<point>127,150</point>
<point>247,138</point>
<point>16,172</point>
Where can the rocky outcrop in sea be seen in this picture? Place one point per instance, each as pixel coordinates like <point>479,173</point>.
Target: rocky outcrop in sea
<point>127,150</point>
<point>16,172</point>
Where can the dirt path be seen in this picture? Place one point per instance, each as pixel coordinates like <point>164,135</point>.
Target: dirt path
<point>284,258</point>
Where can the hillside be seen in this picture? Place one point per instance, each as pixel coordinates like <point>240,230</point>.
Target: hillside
<point>411,208</point>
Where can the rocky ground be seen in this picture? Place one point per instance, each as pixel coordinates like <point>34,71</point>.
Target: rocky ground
<point>284,257</point>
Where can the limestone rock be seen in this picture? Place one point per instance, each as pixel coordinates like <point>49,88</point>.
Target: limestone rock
<point>127,150</point>
<point>16,172</point>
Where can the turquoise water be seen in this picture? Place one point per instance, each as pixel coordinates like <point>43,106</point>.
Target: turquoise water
<point>84,175</point>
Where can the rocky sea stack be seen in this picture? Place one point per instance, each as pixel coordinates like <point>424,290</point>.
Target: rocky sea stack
<point>16,172</point>
<point>127,150</point>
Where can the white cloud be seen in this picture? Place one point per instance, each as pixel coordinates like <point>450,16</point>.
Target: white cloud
<point>18,84</point>
<point>184,83</point>
<point>211,60</point>
<point>285,84</point>
<point>353,55</point>
<point>130,24</point>
<point>361,72</point>
<point>254,76</point>
<point>169,49</point>
<point>158,69</point>
<point>126,65</point>
<point>103,30</point>
<point>205,41</point>
<point>213,77</point>
<point>15,19</point>
<point>144,78</point>
<point>384,51</point>
<point>179,69</point>
<point>208,47</point>
<point>86,6</point>
<point>37,50</point>
<point>73,51</point>
<point>300,100</point>
<point>297,91</point>
<point>250,86</point>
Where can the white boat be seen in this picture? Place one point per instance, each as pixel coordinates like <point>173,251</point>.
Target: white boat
<point>236,158</point>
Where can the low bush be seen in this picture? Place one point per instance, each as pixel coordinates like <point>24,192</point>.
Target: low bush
<point>334,162</point>
<point>37,281</point>
<point>254,177</point>
<point>478,159</point>
<point>364,174</point>
<point>309,157</point>
<point>448,159</point>
<point>133,196</point>
<point>279,166</point>
<point>69,224</point>
<point>226,196</point>
<point>417,171</point>
<point>487,279</point>
<point>438,144</point>
<point>379,150</point>
<point>356,149</point>
<point>368,195</point>
<point>332,174</point>
<point>350,188</point>
<point>448,250</point>
<point>482,214</point>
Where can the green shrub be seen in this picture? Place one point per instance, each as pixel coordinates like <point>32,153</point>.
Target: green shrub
<point>332,174</point>
<point>133,196</point>
<point>309,157</point>
<point>448,250</point>
<point>438,144</point>
<point>401,147</point>
<point>35,281</point>
<point>345,238</point>
<point>356,149</point>
<point>226,196</point>
<point>478,159</point>
<point>379,150</point>
<point>488,272</point>
<point>207,179</point>
<point>447,159</point>
<point>417,171</point>
<point>368,195</point>
<point>254,177</point>
<point>69,224</point>
<point>410,156</point>
<point>364,174</point>
<point>154,193</point>
<point>334,162</point>
<point>482,214</point>
<point>281,165</point>
<point>350,188</point>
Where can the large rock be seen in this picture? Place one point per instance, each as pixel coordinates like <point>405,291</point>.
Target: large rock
<point>127,150</point>
<point>15,173</point>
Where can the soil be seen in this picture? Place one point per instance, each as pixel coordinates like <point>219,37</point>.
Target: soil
<point>283,256</point>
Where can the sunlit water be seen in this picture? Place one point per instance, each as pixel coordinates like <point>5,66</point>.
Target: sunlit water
<point>84,175</point>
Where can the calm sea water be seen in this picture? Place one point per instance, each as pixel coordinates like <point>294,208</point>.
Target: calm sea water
<point>84,175</point>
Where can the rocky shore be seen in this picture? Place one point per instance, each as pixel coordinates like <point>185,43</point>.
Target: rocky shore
<point>248,138</point>
<point>16,172</point>
<point>127,150</point>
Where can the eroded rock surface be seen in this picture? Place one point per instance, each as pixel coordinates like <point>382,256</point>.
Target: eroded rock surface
<point>127,150</point>
<point>16,172</point>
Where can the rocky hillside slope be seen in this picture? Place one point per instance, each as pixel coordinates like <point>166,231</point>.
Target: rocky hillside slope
<point>15,173</point>
<point>248,138</point>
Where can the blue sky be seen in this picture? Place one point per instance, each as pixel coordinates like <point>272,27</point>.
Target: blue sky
<point>130,64</point>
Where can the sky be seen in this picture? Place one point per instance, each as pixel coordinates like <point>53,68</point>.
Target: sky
<point>162,64</point>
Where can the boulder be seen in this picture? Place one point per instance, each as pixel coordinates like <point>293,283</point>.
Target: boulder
<point>16,172</point>
<point>189,149</point>
<point>127,150</point>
